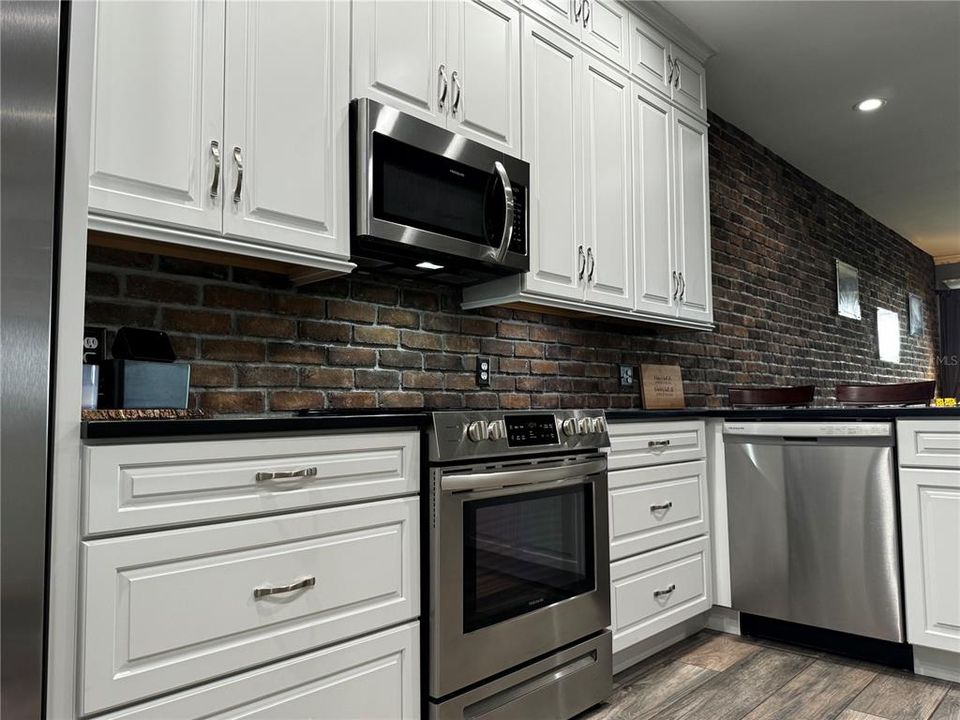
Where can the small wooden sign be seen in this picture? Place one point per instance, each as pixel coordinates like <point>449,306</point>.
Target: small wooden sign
<point>661,387</point>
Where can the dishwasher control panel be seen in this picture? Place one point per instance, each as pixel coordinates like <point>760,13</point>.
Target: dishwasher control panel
<point>808,429</point>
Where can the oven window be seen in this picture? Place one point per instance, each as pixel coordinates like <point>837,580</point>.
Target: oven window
<point>525,551</point>
<point>430,192</point>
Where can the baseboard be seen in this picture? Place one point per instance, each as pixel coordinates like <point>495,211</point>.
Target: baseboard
<point>723,619</point>
<point>630,656</point>
<point>941,664</point>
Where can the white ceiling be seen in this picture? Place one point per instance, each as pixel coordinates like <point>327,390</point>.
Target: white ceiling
<point>788,73</point>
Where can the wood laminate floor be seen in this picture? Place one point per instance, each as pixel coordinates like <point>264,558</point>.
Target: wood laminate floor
<point>713,676</point>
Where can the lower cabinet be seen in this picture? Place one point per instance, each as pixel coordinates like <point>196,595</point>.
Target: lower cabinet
<point>930,519</point>
<point>373,678</point>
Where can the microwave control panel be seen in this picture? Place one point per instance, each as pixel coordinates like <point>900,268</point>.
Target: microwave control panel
<point>527,430</point>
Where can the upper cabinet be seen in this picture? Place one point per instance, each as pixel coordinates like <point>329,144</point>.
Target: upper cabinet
<point>692,219</point>
<point>667,68</point>
<point>601,25</point>
<point>455,64</point>
<point>224,127</point>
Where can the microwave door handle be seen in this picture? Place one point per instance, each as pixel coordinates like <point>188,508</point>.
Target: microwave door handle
<point>530,476</point>
<point>507,235</point>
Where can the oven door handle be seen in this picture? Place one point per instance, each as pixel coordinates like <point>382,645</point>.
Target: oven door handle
<point>508,202</point>
<point>531,476</point>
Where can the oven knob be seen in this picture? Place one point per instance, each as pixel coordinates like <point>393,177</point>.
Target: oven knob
<point>569,426</point>
<point>497,430</point>
<point>584,426</point>
<point>600,425</point>
<point>477,430</point>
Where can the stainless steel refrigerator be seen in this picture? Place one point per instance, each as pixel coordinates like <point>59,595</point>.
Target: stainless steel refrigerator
<point>32,79</point>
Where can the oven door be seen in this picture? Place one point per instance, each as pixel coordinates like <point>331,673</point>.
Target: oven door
<point>519,565</point>
<point>436,191</point>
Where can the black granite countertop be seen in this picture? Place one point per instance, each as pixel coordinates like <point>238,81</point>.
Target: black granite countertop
<point>337,420</point>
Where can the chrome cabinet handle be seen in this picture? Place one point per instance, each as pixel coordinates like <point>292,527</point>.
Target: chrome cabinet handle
<point>264,590</point>
<point>586,12</point>
<point>215,185</point>
<point>593,264</point>
<point>670,70</point>
<point>581,267</point>
<point>658,444</point>
<point>676,74</point>
<point>665,591</point>
<point>281,474</point>
<point>664,506</point>
<point>676,284</point>
<point>683,286</point>
<point>508,202</point>
<point>442,90</point>
<point>576,10</point>
<point>238,159</point>
<point>455,79</point>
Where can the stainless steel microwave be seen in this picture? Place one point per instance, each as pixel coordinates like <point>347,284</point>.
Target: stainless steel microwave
<point>424,198</point>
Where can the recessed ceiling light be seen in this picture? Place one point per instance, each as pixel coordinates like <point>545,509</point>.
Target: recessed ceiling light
<point>870,104</point>
<point>429,265</point>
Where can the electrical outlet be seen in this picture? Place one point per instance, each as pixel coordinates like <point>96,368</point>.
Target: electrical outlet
<point>483,371</point>
<point>626,375</point>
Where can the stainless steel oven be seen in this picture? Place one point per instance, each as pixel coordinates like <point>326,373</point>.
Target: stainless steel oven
<point>519,562</point>
<point>424,197</point>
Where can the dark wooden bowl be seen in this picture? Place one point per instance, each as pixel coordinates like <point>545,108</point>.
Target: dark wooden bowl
<point>912,393</point>
<point>771,397</point>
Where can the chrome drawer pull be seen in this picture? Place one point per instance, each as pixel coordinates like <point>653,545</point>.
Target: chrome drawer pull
<point>280,475</point>
<point>215,185</point>
<point>298,585</point>
<point>658,443</point>
<point>667,591</point>
<point>657,508</point>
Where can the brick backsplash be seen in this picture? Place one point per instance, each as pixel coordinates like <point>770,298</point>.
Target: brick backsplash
<point>257,345</point>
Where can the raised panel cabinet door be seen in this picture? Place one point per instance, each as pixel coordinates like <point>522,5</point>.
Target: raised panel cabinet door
<point>607,185</point>
<point>606,29</point>
<point>693,219</point>
<point>930,518</point>
<point>398,51</point>
<point>689,88</point>
<point>564,14</point>
<point>656,279</point>
<point>483,58</point>
<point>552,140</point>
<point>650,55</point>
<point>286,124</point>
<point>158,112</point>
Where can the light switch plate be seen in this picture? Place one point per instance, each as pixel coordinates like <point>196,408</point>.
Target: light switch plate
<point>626,375</point>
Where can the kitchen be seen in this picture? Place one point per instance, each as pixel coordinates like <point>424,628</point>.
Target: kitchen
<point>449,388</point>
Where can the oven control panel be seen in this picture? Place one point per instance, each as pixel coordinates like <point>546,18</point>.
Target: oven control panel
<point>527,430</point>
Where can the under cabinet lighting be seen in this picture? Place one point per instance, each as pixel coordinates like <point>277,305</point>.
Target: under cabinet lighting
<point>870,104</point>
<point>429,265</point>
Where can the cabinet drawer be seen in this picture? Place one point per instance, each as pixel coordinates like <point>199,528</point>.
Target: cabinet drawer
<point>929,443</point>
<point>373,678</point>
<point>145,485</point>
<point>177,607</point>
<point>640,444</point>
<point>655,591</point>
<point>655,506</point>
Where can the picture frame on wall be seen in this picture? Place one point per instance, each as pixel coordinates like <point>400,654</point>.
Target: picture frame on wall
<point>848,291</point>
<point>915,310</point>
<point>888,335</point>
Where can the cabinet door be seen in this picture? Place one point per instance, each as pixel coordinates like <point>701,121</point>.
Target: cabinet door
<point>930,518</point>
<point>565,14</point>
<point>649,55</point>
<point>689,89</point>
<point>606,29</point>
<point>398,50</point>
<point>286,124</point>
<point>158,112</point>
<point>693,219</point>
<point>653,202</point>
<point>552,145</point>
<point>483,60</point>
<point>607,185</point>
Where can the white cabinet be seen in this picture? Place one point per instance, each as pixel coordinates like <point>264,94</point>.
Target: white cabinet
<point>667,68</point>
<point>606,29</point>
<point>925,443</point>
<point>455,64</point>
<point>689,86</point>
<point>158,112</point>
<point>286,125</point>
<point>224,127</point>
<point>692,219</point>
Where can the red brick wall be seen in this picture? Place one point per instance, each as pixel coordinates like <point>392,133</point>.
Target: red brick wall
<point>256,345</point>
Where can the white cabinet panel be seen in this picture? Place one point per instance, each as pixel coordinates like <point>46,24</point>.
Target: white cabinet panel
<point>607,30</point>
<point>398,48</point>
<point>655,506</point>
<point>552,145</point>
<point>689,89</point>
<point>652,592</point>
<point>158,112</point>
<point>483,51</point>
<point>649,55</point>
<point>653,202</point>
<point>929,443</point>
<point>693,219</point>
<point>655,443</point>
<point>607,180</point>
<point>286,123</point>
<point>173,608</point>
<point>930,520</point>
<point>558,12</point>
<point>145,485</point>
<point>373,678</point>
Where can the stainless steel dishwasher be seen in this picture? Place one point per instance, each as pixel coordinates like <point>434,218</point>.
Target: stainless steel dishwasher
<point>814,532</point>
